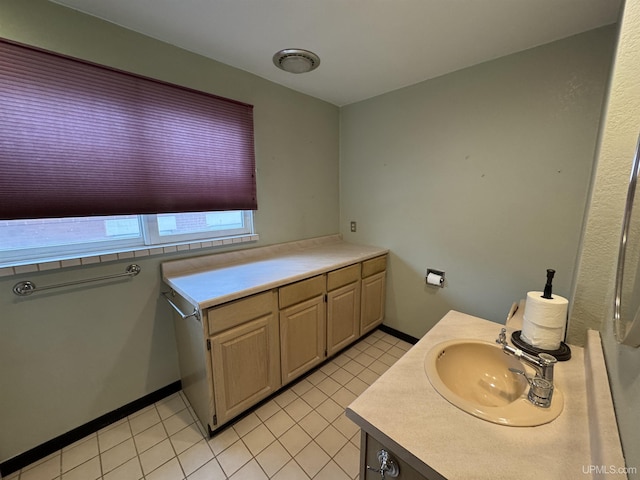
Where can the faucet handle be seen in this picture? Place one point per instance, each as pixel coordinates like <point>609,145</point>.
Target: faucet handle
<point>502,337</point>
<point>546,359</point>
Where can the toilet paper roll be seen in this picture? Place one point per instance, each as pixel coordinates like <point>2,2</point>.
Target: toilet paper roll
<point>544,320</point>
<point>435,279</point>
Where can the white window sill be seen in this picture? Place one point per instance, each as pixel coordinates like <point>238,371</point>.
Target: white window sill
<point>21,268</point>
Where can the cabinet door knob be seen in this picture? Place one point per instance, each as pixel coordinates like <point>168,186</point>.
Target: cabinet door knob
<point>387,465</point>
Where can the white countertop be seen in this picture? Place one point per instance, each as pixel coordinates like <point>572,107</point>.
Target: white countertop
<point>403,411</point>
<point>211,280</point>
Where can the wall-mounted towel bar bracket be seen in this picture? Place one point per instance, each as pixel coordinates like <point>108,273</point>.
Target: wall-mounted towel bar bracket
<point>27,288</point>
<point>195,314</point>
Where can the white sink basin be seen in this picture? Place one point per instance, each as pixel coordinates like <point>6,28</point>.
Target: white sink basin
<point>474,376</point>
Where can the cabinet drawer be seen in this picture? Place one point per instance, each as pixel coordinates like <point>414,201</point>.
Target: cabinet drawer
<point>342,277</point>
<point>301,291</point>
<point>373,266</point>
<point>240,311</point>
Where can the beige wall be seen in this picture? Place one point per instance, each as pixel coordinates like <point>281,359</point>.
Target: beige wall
<point>593,299</point>
<point>69,357</point>
<point>483,173</point>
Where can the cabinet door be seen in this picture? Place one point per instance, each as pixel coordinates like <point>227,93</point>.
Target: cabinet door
<point>372,305</point>
<point>343,317</point>
<point>246,365</point>
<point>302,337</point>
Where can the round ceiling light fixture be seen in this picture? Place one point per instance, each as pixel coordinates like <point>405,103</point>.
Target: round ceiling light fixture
<point>296,60</point>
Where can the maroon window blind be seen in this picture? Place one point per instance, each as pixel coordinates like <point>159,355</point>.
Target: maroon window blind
<point>79,139</point>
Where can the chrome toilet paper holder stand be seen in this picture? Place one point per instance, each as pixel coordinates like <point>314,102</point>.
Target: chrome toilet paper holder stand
<point>435,272</point>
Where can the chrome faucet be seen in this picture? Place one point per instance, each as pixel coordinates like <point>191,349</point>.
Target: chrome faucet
<point>541,389</point>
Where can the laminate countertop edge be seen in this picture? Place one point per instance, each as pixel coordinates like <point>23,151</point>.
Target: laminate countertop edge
<point>212,280</point>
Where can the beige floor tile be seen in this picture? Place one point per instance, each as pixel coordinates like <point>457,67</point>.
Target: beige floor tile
<point>345,426</point>
<point>329,386</point>
<point>258,439</point>
<point>171,405</point>
<point>355,439</point>
<point>331,440</point>
<point>331,471</point>
<point>357,386</point>
<point>382,345</point>
<point>291,471</point>
<point>341,360</point>
<point>285,398</point>
<point>406,346</point>
<point>140,423</point>
<point>223,440</point>
<point>79,453</point>
<point>316,377</point>
<point>379,367</point>
<point>89,470</point>
<point>388,359</point>
<point>185,438</point>
<point>313,424</point>
<point>374,352</point>
<point>352,352</point>
<point>150,437</point>
<point>341,376</point>
<point>302,386</point>
<point>267,410</point>
<point>245,425</point>
<point>344,397</point>
<point>297,409</point>
<point>116,456</point>
<point>348,458</point>
<point>273,458</point>
<point>312,458</point>
<point>329,368</point>
<point>354,367</point>
<point>368,376</point>
<point>279,423</point>
<point>251,471</point>
<point>330,410</point>
<point>234,457</point>
<point>209,471</point>
<point>396,351</point>
<point>169,471</point>
<point>178,422</point>
<point>195,457</point>
<point>364,359</point>
<point>45,470</point>
<point>294,440</point>
<point>156,456</point>
<point>110,437</point>
<point>127,471</point>
<point>314,397</point>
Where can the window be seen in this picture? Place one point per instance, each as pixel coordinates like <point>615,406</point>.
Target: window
<point>49,239</point>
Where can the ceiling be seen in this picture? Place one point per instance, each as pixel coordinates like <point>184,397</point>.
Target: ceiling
<point>366,47</point>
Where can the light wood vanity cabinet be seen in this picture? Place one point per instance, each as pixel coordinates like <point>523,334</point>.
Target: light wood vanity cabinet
<point>373,293</point>
<point>259,343</point>
<point>302,326</point>
<point>343,307</point>
<point>245,353</point>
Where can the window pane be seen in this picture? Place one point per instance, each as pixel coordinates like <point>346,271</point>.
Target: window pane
<point>184,223</point>
<point>56,232</point>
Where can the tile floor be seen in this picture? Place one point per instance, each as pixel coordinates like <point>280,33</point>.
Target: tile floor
<point>300,434</point>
